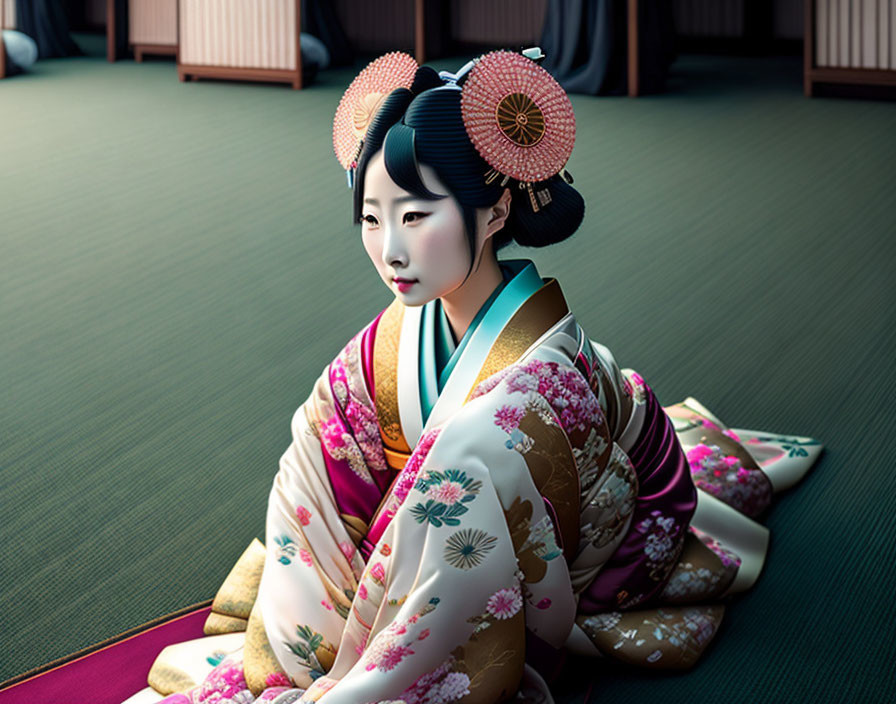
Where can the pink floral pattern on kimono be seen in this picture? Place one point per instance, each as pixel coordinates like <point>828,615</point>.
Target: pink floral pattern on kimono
<point>225,684</point>
<point>360,417</point>
<point>564,388</point>
<point>724,476</point>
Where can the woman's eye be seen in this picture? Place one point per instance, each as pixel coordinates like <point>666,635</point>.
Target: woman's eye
<point>369,219</point>
<point>414,217</point>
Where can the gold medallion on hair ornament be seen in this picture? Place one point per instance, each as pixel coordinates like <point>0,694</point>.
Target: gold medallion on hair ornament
<point>520,120</point>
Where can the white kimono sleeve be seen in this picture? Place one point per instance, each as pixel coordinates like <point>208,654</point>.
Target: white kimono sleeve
<point>446,564</point>
<point>311,567</point>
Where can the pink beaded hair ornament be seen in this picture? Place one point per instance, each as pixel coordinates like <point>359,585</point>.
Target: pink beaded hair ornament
<point>361,101</point>
<point>520,120</point>
<point>517,116</point>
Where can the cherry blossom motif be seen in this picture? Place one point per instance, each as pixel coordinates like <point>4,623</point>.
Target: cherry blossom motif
<point>491,383</point>
<point>348,549</point>
<point>386,656</point>
<point>397,628</point>
<point>363,421</point>
<point>225,683</point>
<point>707,423</point>
<point>689,581</point>
<point>639,387</point>
<point>455,686</point>
<point>724,476</point>
<point>364,437</point>
<point>340,445</point>
<point>385,549</point>
<point>602,622</point>
<point>505,603</point>
<point>362,591</point>
<point>408,476</point>
<point>662,545</point>
<point>304,515</point>
<point>327,604</point>
<point>424,634</point>
<point>360,647</point>
<point>305,557</point>
<point>378,572</point>
<point>508,418</point>
<point>522,383</point>
<point>271,694</point>
<point>277,679</point>
<point>440,686</point>
<point>564,388</point>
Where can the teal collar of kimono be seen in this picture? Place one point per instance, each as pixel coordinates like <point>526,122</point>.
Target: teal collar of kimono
<point>441,359</point>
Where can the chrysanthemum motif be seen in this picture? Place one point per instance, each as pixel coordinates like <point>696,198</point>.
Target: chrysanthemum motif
<point>446,496</point>
<point>505,603</point>
<point>467,548</point>
<point>447,493</point>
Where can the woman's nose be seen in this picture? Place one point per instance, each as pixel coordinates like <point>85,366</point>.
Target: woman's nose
<point>394,252</point>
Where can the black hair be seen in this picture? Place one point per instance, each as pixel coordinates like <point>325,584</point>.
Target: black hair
<point>424,125</point>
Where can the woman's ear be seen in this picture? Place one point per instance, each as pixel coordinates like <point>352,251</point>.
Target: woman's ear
<point>498,213</point>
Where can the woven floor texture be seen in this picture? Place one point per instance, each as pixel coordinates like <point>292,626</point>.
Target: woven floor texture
<point>178,266</point>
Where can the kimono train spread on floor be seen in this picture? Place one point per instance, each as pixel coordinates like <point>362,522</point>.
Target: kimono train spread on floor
<point>450,517</point>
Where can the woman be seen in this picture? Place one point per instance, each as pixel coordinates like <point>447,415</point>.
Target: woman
<point>474,487</point>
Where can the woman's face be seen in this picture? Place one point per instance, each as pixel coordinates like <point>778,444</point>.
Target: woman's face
<point>418,246</point>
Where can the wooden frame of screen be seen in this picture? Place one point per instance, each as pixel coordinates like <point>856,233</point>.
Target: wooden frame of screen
<point>2,48</point>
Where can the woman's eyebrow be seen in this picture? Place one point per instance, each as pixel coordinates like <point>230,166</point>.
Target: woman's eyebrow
<point>400,199</point>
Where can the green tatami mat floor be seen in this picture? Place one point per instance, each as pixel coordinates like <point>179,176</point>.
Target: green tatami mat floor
<point>178,266</point>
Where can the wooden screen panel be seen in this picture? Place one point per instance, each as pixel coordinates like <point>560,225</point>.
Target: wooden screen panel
<point>152,22</point>
<point>849,42</point>
<point>8,14</point>
<point>240,40</point>
<point>238,34</point>
<point>855,33</point>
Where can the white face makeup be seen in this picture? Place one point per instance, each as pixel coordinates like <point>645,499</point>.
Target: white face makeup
<point>418,246</point>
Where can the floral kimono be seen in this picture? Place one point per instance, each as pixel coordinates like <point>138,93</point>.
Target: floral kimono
<point>452,516</point>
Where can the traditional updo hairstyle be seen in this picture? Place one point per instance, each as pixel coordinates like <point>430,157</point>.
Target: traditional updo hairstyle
<point>424,125</point>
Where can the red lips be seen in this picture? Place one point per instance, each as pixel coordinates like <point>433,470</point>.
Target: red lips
<point>404,285</point>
